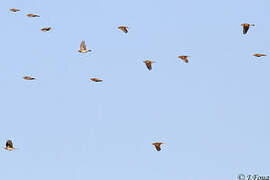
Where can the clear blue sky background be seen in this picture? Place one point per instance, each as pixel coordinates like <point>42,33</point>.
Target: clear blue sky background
<point>212,113</point>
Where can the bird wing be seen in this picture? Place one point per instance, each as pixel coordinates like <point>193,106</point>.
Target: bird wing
<point>83,46</point>
<point>158,147</point>
<point>149,66</point>
<point>245,29</point>
<point>124,29</point>
<point>46,29</point>
<point>9,144</point>
<point>185,59</point>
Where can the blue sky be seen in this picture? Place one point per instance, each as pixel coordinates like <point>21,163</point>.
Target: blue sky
<point>212,113</point>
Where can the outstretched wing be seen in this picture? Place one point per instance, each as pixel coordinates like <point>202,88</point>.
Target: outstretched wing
<point>259,55</point>
<point>83,46</point>
<point>96,79</point>
<point>46,29</point>
<point>28,78</point>
<point>14,10</point>
<point>123,28</point>
<point>9,144</point>
<point>184,58</point>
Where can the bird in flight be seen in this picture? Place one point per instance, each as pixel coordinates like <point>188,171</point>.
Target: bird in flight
<point>157,145</point>
<point>28,78</point>
<point>246,27</point>
<point>123,28</point>
<point>9,145</point>
<point>14,10</point>
<point>32,15</point>
<point>83,48</point>
<point>259,55</point>
<point>184,58</point>
<point>96,79</point>
<point>46,29</point>
<point>148,64</point>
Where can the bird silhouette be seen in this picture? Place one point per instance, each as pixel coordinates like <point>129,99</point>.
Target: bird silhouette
<point>46,29</point>
<point>9,145</point>
<point>83,48</point>
<point>28,78</point>
<point>14,10</point>
<point>148,64</point>
<point>32,15</point>
<point>246,27</point>
<point>123,28</point>
<point>96,79</point>
<point>259,55</point>
<point>184,58</point>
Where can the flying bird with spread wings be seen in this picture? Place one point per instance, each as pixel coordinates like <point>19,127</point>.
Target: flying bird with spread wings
<point>46,29</point>
<point>148,64</point>
<point>96,79</point>
<point>14,10</point>
<point>83,48</point>
<point>32,15</point>
<point>259,55</point>
<point>123,28</point>
<point>9,145</point>
<point>28,78</point>
<point>246,27</point>
<point>184,58</point>
<point>157,145</point>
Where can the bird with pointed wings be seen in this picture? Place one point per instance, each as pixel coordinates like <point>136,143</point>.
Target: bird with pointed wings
<point>246,27</point>
<point>157,145</point>
<point>184,58</point>
<point>32,15</point>
<point>46,29</point>
<point>9,145</point>
<point>14,10</point>
<point>259,55</point>
<point>96,79</point>
<point>148,64</point>
<point>28,78</point>
<point>123,28</point>
<point>83,48</point>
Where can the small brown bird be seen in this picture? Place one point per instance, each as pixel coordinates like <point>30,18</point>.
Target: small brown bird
<point>9,145</point>
<point>32,15</point>
<point>123,28</point>
<point>259,55</point>
<point>157,145</point>
<point>96,79</point>
<point>149,64</point>
<point>184,58</point>
<point>246,27</point>
<point>46,29</point>
<point>28,78</point>
<point>14,10</point>
<point>83,48</point>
